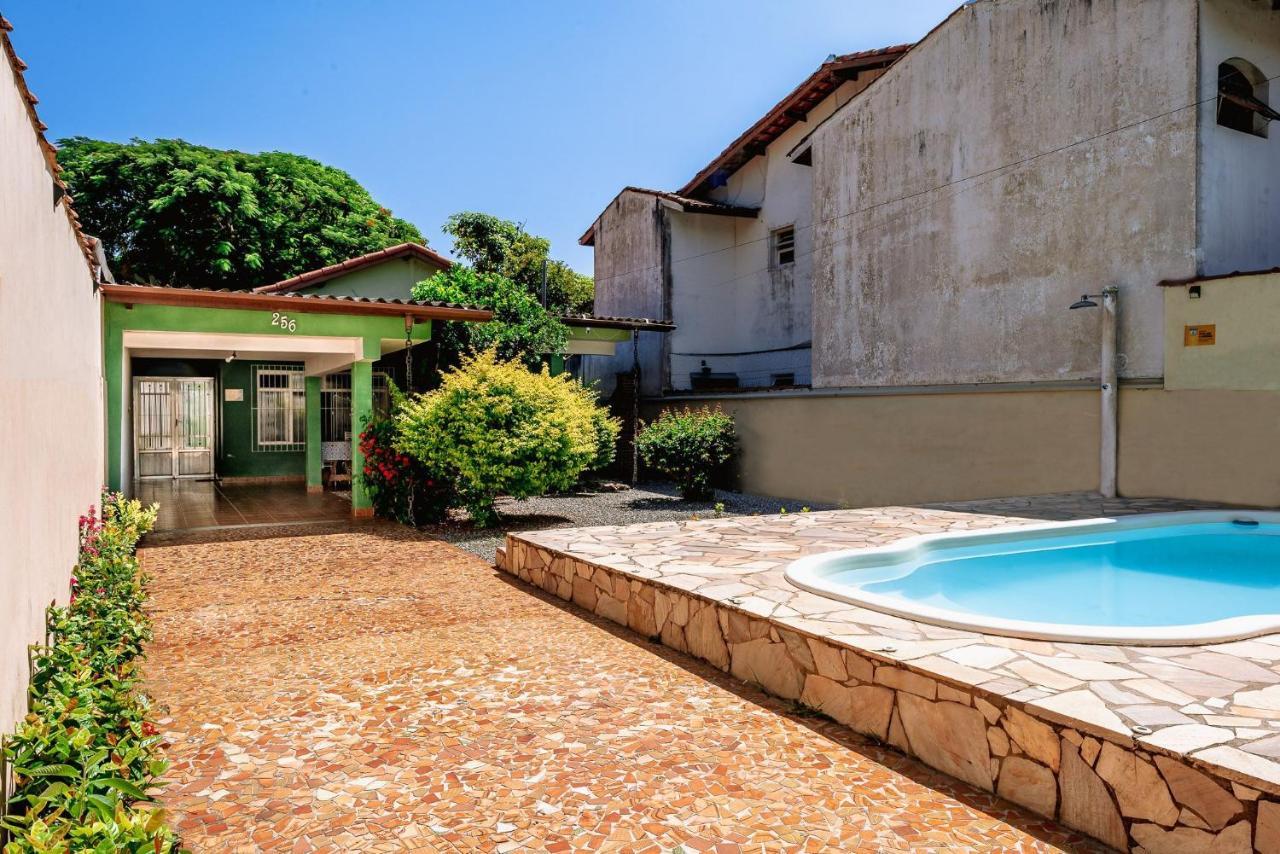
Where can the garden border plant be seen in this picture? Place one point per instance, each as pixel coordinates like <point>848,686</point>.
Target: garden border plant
<point>693,447</point>
<point>86,758</point>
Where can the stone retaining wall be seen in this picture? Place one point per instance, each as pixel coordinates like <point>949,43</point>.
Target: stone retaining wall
<point>1089,779</point>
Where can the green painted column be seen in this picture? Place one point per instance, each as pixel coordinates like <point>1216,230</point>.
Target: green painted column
<point>113,366</point>
<point>315,463</point>
<point>361,411</point>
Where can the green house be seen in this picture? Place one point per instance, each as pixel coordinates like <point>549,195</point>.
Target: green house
<point>272,385</point>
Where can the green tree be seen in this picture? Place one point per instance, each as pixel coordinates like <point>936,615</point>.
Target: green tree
<point>493,245</point>
<point>521,328</point>
<point>171,212</point>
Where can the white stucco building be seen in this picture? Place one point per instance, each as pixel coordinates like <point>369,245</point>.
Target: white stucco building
<point>51,420</point>
<point>730,252</point>
<point>901,247</point>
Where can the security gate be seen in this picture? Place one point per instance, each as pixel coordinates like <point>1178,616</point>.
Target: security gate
<point>172,427</point>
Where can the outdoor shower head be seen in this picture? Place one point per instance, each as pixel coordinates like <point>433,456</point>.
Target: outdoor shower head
<point>1083,302</point>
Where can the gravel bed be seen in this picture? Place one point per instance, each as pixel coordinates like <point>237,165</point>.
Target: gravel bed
<point>604,503</point>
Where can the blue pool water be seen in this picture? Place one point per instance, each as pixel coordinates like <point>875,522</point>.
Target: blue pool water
<point>1169,575</point>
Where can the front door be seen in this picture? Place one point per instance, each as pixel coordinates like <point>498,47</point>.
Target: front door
<point>173,427</point>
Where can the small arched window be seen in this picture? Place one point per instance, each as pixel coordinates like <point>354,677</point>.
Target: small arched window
<point>1242,97</point>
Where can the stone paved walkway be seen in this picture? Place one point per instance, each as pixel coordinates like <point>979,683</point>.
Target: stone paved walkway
<point>365,689</point>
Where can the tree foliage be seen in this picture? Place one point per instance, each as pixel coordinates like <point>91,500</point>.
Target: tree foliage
<point>495,428</point>
<point>493,245</point>
<point>172,212</point>
<point>521,328</point>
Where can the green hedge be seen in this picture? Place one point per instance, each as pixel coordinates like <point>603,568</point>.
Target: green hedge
<point>693,447</point>
<point>86,759</point>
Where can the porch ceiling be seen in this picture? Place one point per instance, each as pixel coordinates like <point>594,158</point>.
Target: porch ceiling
<point>320,354</point>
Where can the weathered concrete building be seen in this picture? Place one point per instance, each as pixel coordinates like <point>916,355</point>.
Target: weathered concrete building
<point>51,423</point>
<point>947,211</point>
<point>730,252</point>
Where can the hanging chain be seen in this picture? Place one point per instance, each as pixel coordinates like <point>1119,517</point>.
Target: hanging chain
<point>408,389</point>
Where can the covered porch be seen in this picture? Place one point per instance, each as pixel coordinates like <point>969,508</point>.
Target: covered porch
<point>224,399</point>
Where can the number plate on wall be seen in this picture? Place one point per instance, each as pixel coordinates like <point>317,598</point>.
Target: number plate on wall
<point>1202,335</point>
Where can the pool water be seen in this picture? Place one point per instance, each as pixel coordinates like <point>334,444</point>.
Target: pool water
<point>1100,580</point>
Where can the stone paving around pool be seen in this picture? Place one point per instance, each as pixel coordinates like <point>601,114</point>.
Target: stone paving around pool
<point>362,687</point>
<point>1143,748</point>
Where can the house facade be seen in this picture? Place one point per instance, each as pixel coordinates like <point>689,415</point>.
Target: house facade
<point>729,254</point>
<point>1020,155</point>
<point>51,425</point>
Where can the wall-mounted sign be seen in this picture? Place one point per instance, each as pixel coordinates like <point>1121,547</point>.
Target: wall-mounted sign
<point>233,395</point>
<point>1201,335</point>
<point>284,321</point>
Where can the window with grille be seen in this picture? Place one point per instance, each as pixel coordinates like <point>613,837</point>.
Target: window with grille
<point>335,404</point>
<point>280,408</point>
<point>784,246</point>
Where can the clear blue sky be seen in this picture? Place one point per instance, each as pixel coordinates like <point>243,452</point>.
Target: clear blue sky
<point>537,112</point>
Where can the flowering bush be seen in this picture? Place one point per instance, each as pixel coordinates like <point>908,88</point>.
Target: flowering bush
<point>691,446</point>
<point>391,477</point>
<point>86,757</point>
<point>497,428</point>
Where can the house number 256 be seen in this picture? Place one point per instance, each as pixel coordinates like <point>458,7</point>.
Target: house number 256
<point>284,321</point>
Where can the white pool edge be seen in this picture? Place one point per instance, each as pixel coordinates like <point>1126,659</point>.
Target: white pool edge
<point>807,573</point>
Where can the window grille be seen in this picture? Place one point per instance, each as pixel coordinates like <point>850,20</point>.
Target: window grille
<point>280,408</point>
<point>335,404</point>
<point>784,246</point>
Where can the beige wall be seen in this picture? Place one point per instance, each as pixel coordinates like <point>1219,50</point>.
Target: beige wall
<point>883,449</point>
<point>51,416</point>
<point>864,450</point>
<point>1246,355</point>
<point>1210,445</point>
<point>940,265</point>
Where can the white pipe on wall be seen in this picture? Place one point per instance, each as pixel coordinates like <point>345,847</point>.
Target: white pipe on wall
<point>1107,463</point>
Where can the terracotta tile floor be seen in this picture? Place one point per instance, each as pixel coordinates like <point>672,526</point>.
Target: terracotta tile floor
<point>366,689</point>
<point>204,504</point>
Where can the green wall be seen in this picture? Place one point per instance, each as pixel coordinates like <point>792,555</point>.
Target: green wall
<point>392,279</point>
<point>237,457</point>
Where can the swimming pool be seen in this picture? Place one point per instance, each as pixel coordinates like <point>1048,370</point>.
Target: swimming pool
<point>1156,579</point>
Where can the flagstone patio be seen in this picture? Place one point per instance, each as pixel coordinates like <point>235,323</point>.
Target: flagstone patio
<point>1158,748</point>
<point>365,688</point>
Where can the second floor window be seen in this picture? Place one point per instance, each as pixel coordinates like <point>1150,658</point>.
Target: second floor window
<point>784,246</point>
<point>1242,98</point>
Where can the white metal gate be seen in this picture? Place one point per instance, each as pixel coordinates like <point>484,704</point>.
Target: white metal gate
<point>173,427</point>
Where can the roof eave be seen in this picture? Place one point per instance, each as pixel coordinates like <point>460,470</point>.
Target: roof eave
<point>195,298</point>
<point>639,324</point>
<point>318,276</point>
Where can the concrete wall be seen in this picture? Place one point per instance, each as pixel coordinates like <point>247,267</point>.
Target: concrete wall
<point>51,416</point>
<point>630,272</point>
<point>1240,173</point>
<point>941,263</point>
<point>1209,445</point>
<point>867,450</point>
<point>1246,352</point>
<point>392,279</point>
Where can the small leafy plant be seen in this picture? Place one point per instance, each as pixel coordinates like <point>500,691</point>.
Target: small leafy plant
<point>693,447</point>
<point>86,758</point>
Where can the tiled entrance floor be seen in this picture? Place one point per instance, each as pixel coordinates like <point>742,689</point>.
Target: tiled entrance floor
<point>364,688</point>
<point>1098,721</point>
<point>204,504</point>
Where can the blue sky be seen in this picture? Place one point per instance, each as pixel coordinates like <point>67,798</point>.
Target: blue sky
<point>537,112</point>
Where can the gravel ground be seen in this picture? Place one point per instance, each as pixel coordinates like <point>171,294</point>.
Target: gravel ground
<point>604,503</point>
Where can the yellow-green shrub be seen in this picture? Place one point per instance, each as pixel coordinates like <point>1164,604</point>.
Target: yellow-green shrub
<point>496,428</point>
